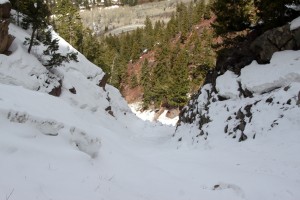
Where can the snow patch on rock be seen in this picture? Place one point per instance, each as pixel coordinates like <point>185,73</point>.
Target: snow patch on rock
<point>295,24</point>
<point>227,85</point>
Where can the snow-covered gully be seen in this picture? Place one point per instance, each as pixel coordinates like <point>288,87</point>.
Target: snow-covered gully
<point>71,148</point>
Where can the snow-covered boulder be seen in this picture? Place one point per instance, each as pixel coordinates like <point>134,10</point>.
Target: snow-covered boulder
<point>227,85</point>
<point>271,107</point>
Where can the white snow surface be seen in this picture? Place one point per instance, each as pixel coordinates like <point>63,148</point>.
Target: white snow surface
<point>295,24</point>
<point>227,85</point>
<point>284,69</point>
<point>70,148</point>
<point>4,1</point>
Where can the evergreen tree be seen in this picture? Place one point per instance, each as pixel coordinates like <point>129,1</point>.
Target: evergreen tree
<point>172,28</point>
<point>207,9</point>
<point>183,20</point>
<point>232,15</point>
<point>92,49</point>
<point>276,12</point>
<point>126,44</point>
<point>145,74</point>
<point>36,12</point>
<point>68,23</point>
<point>161,76</point>
<point>55,58</point>
<point>158,31</point>
<point>118,73</point>
<point>179,86</point>
<point>199,12</point>
<point>147,83</point>
<point>137,44</point>
<point>148,34</point>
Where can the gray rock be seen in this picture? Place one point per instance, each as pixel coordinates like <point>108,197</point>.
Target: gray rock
<point>103,81</point>
<point>226,128</point>
<point>72,90</point>
<point>243,137</point>
<point>240,115</point>
<point>242,125</point>
<point>277,39</point>
<point>296,34</point>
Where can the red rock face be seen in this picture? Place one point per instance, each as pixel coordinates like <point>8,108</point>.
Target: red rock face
<point>5,10</point>
<point>5,38</point>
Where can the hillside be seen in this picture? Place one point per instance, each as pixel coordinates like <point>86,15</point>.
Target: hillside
<point>83,142</point>
<point>112,18</point>
<point>161,65</point>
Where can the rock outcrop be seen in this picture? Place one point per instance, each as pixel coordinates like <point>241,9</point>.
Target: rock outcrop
<point>56,90</point>
<point>254,47</point>
<point>277,39</point>
<point>5,38</point>
<point>239,110</point>
<point>103,81</point>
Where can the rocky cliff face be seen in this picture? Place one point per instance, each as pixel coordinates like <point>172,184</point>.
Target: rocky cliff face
<point>5,38</point>
<point>239,101</point>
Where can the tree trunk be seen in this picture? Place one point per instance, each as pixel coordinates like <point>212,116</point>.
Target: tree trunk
<point>31,40</point>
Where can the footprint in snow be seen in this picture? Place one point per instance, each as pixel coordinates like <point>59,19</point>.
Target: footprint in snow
<point>83,106</point>
<point>235,188</point>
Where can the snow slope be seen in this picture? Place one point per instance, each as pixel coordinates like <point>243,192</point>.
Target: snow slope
<point>70,148</point>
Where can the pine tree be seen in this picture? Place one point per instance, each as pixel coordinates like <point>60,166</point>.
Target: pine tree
<point>148,34</point>
<point>179,86</point>
<point>36,12</point>
<point>119,73</point>
<point>145,74</point>
<point>126,43</point>
<point>161,76</point>
<point>55,58</point>
<point>158,31</point>
<point>275,12</point>
<point>232,15</point>
<point>68,23</point>
<point>172,28</point>
<point>198,11</point>
<point>91,47</point>
<point>183,20</point>
<point>147,82</point>
<point>137,44</point>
